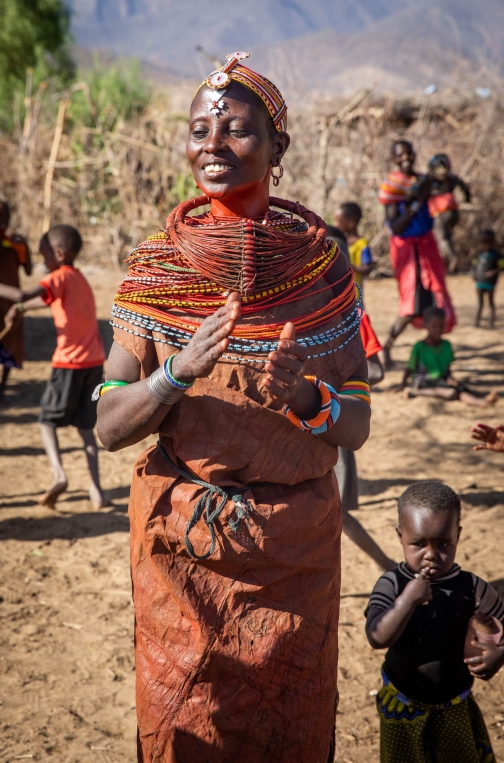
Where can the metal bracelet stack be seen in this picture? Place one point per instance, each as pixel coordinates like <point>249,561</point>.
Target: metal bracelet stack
<point>162,386</point>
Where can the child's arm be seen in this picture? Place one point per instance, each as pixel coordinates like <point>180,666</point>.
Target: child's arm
<point>486,665</point>
<point>496,270</point>
<point>367,264</point>
<point>464,188</point>
<point>19,308</point>
<point>384,626</point>
<point>488,603</point>
<point>14,294</point>
<point>30,299</point>
<point>27,264</point>
<point>398,223</point>
<point>410,368</point>
<point>450,378</point>
<point>364,270</point>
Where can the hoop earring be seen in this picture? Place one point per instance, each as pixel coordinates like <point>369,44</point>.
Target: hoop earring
<point>277,178</point>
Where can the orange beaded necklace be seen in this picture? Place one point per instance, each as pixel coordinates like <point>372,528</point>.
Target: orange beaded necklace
<point>178,277</point>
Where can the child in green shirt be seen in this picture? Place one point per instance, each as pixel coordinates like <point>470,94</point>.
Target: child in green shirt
<point>430,362</point>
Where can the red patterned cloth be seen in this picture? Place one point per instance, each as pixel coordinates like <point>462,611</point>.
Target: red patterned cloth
<point>369,339</point>
<point>442,203</point>
<point>403,254</point>
<point>395,187</point>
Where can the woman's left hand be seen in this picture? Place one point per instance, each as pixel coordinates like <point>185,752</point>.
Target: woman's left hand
<point>285,379</point>
<point>486,665</point>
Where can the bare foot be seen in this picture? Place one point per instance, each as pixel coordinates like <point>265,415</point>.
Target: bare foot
<point>491,398</point>
<point>99,499</point>
<point>49,499</point>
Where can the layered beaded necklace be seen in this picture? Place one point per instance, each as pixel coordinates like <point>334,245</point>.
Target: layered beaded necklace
<point>188,270</point>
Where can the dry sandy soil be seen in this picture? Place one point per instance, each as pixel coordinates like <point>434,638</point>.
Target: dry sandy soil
<point>66,650</point>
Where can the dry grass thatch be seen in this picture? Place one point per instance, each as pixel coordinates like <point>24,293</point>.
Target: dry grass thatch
<point>118,185</point>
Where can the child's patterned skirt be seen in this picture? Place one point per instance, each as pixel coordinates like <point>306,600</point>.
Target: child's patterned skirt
<point>413,732</point>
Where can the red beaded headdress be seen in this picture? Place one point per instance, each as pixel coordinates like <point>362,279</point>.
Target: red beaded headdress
<point>266,90</point>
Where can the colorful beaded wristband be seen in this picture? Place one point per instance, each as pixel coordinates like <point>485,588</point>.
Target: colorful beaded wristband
<point>355,387</point>
<point>328,414</point>
<point>105,387</point>
<point>167,367</point>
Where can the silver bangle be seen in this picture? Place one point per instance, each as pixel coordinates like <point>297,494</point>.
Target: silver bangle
<point>160,387</point>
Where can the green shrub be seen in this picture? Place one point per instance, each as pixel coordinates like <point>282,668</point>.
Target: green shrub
<point>117,91</point>
<point>34,34</point>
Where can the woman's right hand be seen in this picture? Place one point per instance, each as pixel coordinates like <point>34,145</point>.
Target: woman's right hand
<point>126,415</point>
<point>210,341</point>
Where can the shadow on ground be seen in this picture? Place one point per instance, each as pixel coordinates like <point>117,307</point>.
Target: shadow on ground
<point>484,498</point>
<point>68,527</point>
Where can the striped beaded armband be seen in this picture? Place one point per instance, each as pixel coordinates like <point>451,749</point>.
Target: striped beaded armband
<point>105,387</point>
<point>167,366</point>
<point>328,414</point>
<point>356,388</point>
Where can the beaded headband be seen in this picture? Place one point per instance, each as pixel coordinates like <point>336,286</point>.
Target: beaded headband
<point>266,90</point>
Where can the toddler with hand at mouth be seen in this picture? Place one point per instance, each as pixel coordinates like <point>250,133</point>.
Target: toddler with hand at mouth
<point>426,707</point>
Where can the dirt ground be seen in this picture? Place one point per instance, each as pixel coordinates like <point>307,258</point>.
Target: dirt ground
<point>66,646</point>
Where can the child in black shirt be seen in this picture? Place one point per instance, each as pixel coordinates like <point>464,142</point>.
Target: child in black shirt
<point>486,267</point>
<point>421,611</point>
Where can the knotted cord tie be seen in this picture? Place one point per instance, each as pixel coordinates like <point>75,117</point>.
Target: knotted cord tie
<point>207,499</point>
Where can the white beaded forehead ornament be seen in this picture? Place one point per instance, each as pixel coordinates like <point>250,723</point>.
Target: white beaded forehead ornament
<point>219,79</point>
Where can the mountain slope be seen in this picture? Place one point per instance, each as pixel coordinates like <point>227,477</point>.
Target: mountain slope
<point>335,45</point>
<point>167,32</point>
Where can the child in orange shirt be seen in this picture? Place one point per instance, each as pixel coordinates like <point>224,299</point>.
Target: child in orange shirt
<point>78,359</point>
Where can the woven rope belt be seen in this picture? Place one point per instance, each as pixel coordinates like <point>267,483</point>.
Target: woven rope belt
<point>211,504</point>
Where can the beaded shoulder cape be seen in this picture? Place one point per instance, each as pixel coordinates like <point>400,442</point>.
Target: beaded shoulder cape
<point>181,275</point>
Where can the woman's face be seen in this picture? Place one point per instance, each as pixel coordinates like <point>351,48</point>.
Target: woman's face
<point>232,152</point>
<point>404,157</point>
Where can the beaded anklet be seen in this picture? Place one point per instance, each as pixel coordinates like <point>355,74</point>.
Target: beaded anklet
<point>105,387</point>
<point>355,387</point>
<point>326,417</point>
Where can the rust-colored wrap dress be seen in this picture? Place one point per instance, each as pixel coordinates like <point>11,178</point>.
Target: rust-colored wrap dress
<point>236,654</point>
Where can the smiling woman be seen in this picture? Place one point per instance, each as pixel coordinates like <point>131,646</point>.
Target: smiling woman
<point>234,331</point>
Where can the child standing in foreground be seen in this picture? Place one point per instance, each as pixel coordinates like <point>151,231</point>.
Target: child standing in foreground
<point>14,254</point>
<point>486,268</point>
<point>78,359</point>
<point>423,611</point>
<point>430,363</point>
<point>347,218</point>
